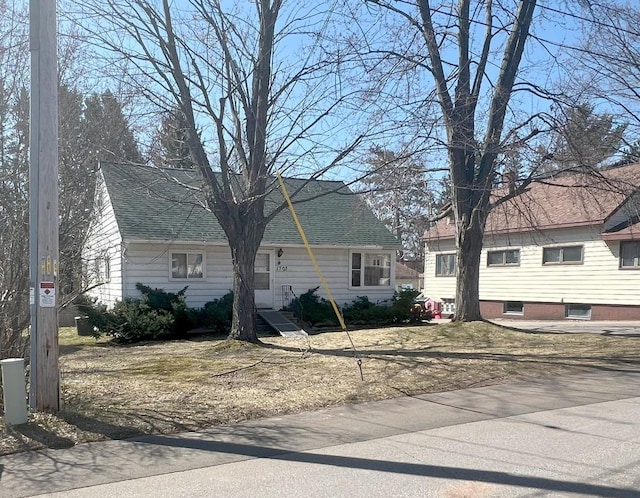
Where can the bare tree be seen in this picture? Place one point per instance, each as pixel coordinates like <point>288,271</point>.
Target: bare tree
<point>83,121</point>
<point>14,191</point>
<point>252,98</point>
<point>609,61</point>
<point>474,32</point>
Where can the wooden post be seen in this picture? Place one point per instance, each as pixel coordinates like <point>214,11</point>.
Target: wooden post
<point>44,205</point>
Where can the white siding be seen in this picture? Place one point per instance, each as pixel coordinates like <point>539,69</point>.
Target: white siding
<point>597,281</point>
<point>441,287</point>
<point>334,264</point>
<point>150,264</point>
<point>104,239</point>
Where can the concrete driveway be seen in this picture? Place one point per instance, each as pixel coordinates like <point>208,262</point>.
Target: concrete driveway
<point>574,326</point>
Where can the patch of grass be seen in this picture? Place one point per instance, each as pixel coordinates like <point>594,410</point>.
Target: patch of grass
<point>69,340</point>
<point>112,391</point>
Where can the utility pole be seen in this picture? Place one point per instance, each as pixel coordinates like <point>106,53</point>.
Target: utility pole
<point>44,394</point>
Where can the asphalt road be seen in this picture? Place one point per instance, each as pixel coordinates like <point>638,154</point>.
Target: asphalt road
<point>570,436</point>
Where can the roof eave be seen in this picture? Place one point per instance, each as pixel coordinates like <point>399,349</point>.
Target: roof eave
<point>505,231</point>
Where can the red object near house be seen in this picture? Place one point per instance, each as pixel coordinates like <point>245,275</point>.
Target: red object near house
<point>434,305</point>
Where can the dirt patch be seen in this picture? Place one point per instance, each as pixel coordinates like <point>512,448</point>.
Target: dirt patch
<point>113,392</point>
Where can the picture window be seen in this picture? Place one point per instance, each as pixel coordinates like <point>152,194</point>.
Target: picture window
<point>370,269</point>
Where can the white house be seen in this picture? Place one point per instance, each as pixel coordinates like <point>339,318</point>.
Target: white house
<point>569,247</point>
<point>151,227</point>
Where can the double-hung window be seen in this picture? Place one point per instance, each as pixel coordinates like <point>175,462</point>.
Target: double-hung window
<point>445,265</point>
<point>565,255</point>
<point>630,255</point>
<point>187,265</point>
<point>103,267</point>
<point>508,257</point>
<point>370,269</point>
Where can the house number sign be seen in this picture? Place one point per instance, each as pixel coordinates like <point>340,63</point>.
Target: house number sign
<point>281,268</point>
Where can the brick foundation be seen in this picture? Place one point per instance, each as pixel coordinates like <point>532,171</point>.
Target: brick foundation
<point>555,311</point>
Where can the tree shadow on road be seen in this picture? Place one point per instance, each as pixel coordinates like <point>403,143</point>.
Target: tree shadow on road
<point>424,470</point>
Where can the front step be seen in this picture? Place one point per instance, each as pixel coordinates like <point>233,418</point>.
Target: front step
<point>281,324</point>
<point>262,327</point>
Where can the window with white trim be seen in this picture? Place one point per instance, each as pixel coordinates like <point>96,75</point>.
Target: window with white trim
<point>187,265</point>
<point>630,254</point>
<point>370,269</point>
<point>507,257</point>
<point>103,267</point>
<point>445,265</point>
<point>565,255</point>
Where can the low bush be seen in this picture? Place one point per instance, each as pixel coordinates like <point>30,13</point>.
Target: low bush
<point>131,320</point>
<point>315,310</point>
<point>158,315</point>
<point>405,308</point>
<point>216,315</point>
<point>362,311</point>
<point>184,318</point>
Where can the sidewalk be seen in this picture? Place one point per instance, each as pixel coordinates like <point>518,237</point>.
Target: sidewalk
<point>27,474</point>
<point>621,327</point>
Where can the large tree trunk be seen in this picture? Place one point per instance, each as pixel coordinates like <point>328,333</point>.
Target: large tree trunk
<point>243,323</point>
<point>469,248</point>
<point>471,209</point>
<point>244,237</point>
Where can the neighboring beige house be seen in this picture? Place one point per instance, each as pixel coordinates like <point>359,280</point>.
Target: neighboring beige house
<point>407,277</point>
<point>569,247</point>
<point>151,228</point>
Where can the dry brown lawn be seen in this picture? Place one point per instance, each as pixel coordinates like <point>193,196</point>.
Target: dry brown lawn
<point>112,391</point>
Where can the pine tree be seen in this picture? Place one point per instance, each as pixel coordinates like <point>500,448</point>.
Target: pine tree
<point>170,145</point>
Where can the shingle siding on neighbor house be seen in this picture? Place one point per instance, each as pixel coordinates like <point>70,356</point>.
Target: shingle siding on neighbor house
<point>147,217</point>
<point>546,289</point>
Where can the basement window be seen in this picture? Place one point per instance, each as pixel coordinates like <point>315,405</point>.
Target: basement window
<point>513,308</point>
<point>579,311</point>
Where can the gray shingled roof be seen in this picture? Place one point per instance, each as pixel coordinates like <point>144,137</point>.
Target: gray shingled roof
<point>150,205</point>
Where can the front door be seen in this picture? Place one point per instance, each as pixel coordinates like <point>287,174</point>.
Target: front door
<point>264,279</point>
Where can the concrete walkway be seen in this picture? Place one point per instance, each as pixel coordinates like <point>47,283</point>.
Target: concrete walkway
<point>551,437</point>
